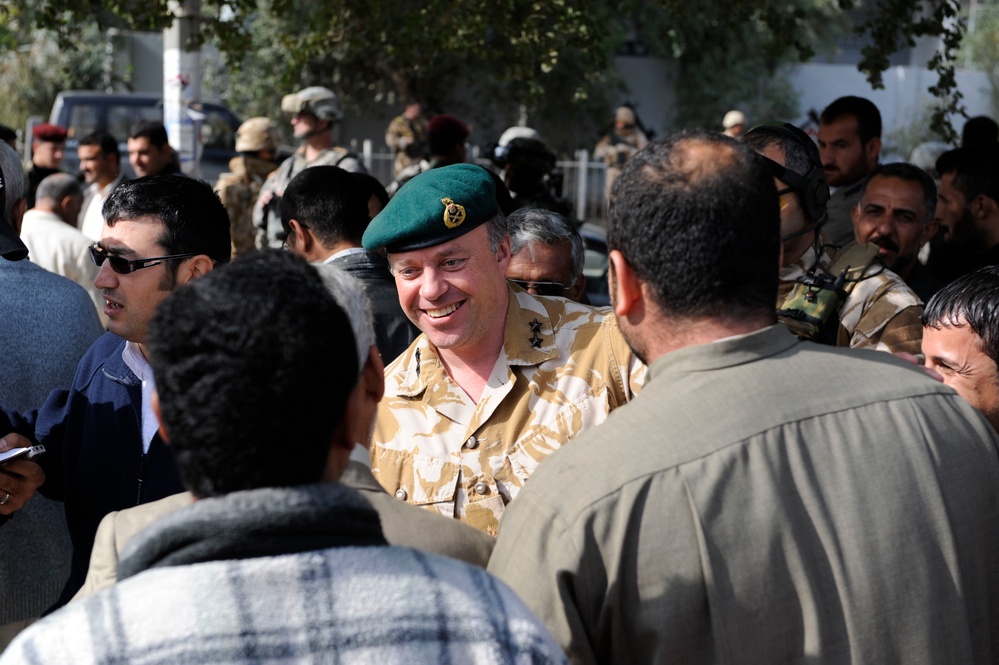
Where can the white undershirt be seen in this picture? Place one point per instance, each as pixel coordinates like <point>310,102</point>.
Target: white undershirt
<point>137,363</point>
<point>345,252</point>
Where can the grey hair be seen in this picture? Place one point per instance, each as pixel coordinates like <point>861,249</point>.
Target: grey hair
<point>497,229</point>
<point>57,187</point>
<point>532,225</point>
<point>348,292</point>
<point>13,175</point>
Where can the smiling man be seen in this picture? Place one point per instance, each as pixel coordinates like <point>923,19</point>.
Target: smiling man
<point>103,449</point>
<point>896,213</point>
<point>961,338</point>
<point>500,378</point>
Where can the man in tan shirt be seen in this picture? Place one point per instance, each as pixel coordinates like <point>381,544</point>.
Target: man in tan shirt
<point>499,378</point>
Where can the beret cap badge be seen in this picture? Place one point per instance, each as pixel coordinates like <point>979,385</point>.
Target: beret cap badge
<point>454,214</point>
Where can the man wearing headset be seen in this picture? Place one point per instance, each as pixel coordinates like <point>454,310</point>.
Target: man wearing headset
<point>837,296</point>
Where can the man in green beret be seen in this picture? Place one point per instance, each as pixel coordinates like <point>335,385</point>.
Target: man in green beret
<point>498,379</point>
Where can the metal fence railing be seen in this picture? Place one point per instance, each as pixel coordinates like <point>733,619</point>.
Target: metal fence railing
<point>582,179</point>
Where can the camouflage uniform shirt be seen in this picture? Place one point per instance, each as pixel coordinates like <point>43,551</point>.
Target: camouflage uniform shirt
<point>880,313</point>
<point>563,368</point>
<point>239,190</point>
<point>408,138</point>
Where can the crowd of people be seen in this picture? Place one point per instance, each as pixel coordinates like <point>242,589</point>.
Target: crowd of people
<point>315,419</point>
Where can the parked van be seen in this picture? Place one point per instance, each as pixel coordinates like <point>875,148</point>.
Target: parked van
<point>84,111</point>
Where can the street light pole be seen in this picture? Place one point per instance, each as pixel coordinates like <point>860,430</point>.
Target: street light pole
<point>182,83</point>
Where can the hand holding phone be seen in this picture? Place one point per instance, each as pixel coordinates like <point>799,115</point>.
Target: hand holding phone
<point>26,453</point>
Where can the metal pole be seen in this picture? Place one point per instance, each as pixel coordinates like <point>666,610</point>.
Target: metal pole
<point>182,84</point>
<point>582,159</point>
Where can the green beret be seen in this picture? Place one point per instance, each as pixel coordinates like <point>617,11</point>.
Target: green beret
<point>434,207</point>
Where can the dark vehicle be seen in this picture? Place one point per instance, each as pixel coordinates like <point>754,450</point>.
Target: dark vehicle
<point>596,265</point>
<point>82,112</point>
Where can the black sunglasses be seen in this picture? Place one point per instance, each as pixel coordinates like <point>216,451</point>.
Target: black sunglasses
<point>123,266</point>
<point>542,288</point>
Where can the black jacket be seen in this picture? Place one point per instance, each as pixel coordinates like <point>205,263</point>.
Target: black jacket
<point>393,331</point>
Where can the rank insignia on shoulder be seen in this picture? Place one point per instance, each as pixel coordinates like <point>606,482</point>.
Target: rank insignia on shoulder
<point>535,341</point>
<point>454,214</point>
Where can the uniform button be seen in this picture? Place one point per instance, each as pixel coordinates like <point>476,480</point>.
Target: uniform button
<point>472,443</point>
<point>401,494</point>
<point>481,488</point>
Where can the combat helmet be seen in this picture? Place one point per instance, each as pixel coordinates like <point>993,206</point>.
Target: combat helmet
<point>257,134</point>
<point>319,101</point>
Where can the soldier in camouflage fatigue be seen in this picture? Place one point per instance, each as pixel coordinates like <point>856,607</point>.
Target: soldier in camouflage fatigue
<point>407,136</point>
<point>617,147</point>
<point>257,142</point>
<point>879,311</point>
<point>313,113</point>
<point>499,379</point>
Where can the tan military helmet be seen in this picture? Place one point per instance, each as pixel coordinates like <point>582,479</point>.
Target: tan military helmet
<point>257,134</point>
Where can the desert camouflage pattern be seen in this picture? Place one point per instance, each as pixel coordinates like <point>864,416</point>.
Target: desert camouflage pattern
<point>563,368</point>
<point>409,141</point>
<point>881,312</point>
<point>239,190</point>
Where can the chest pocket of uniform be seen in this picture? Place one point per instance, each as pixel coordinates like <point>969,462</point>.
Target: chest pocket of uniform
<point>417,479</point>
<point>541,441</point>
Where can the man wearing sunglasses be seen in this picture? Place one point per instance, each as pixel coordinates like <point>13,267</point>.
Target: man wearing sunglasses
<point>872,307</point>
<point>547,254</point>
<point>103,449</point>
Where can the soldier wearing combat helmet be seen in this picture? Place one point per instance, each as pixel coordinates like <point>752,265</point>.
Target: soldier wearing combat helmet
<point>257,142</point>
<point>313,113</point>
<point>499,378</point>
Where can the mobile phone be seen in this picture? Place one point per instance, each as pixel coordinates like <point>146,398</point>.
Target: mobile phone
<point>26,453</point>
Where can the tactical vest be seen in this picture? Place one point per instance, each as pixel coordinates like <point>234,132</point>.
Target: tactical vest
<point>811,309</point>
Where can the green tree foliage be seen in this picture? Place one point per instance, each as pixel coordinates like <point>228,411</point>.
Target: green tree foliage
<point>981,48</point>
<point>550,56</point>
<point>35,64</point>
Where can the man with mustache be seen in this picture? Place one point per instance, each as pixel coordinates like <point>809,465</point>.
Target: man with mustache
<point>849,142</point>
<point>896,213</point>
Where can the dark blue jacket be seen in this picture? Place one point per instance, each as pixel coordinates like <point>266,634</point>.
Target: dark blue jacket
<point>93,439</point>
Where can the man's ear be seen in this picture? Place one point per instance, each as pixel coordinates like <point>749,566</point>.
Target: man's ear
<point>503,254</point>
<point>342,442</point>
<point>624,284</point>
<point>873,149</point>
<point>578,289</point>
<point>983,206</point>
<point>302,240</point>
<point>154,402</point>
<point>195,267</point>
<point>929,231</point>
<point>17,213</point>
<point>373,375</point>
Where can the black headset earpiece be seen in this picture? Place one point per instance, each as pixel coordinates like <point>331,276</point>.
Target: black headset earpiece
<point>812,185</point>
